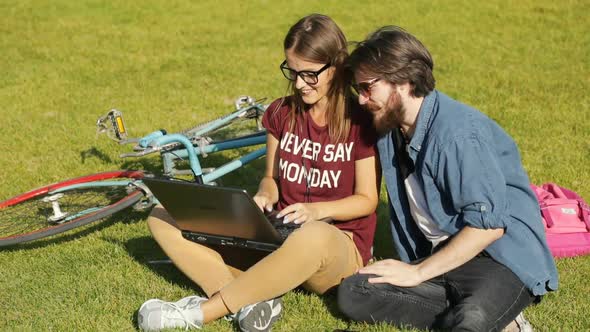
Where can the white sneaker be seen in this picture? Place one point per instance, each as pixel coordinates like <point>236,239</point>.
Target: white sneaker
<point>519,324</point>
<point>260,316</point>
<point>155,314</point>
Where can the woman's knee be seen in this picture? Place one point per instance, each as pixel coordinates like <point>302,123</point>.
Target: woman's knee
<point>314,237</point>
<point>160,223</point>
<point>164,230</point>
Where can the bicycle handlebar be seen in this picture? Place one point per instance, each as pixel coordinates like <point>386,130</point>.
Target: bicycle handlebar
<point>241,100</point>
<point>158,142</point>
<point>145,141</point>
<point>141,153</point>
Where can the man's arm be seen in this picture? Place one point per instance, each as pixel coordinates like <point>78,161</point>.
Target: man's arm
<point>469,174</point>
<point>461,248</point>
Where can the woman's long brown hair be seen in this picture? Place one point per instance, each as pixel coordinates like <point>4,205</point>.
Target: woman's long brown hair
<point>317,38</point>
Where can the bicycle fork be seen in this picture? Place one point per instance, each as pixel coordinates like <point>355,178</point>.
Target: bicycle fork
<point>59,216</point>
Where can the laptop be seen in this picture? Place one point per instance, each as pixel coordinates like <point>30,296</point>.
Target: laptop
<point>219,215</point>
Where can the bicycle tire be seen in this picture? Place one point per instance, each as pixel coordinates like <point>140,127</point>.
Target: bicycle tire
<point>25,217</point>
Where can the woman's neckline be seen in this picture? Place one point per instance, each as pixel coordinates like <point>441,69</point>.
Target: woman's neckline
<point>313,122</point>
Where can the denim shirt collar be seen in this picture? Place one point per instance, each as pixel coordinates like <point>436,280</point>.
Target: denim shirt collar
<point>423,122</point>
<point>409,240</point>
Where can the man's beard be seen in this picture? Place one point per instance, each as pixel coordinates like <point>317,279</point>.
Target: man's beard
<point>389,116</point>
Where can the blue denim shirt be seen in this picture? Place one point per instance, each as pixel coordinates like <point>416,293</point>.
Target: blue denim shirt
<point>472,175</point>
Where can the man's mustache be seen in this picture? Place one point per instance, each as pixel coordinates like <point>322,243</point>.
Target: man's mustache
<point>371,107</point>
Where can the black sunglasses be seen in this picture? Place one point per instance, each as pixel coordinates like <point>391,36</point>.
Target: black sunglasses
<point>364,88</point>
<point>308,76</point>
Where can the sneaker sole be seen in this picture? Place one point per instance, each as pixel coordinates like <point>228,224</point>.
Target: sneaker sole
<point>140,317</point>
<point>258,311</point>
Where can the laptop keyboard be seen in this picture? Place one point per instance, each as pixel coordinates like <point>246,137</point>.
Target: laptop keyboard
<point>283,229</point>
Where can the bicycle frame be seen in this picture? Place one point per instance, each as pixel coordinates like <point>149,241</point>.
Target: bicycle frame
<point>192,154</point>
<point>193,142</point>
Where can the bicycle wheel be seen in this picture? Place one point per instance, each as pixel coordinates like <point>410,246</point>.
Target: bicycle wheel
<point>48,211</point>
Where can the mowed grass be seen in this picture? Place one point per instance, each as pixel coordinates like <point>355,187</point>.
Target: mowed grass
<point>170,64</point>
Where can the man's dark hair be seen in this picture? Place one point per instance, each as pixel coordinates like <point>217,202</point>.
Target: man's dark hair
<point>394,55</point>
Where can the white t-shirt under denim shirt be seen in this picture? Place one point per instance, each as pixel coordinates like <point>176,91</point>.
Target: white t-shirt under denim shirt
<point>416,200</point>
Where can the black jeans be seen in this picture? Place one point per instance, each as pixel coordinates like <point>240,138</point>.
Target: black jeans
<point>481,295</point>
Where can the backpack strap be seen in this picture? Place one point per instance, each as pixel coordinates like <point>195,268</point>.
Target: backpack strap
<point>585,211</point>
<point>555,190</point>
<point>547,216</point>
<point>541,193</point>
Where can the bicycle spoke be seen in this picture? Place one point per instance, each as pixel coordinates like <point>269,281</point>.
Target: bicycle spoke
<point>35,214</point>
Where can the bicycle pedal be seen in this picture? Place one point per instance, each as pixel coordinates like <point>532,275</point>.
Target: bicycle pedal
<point>112,124</point>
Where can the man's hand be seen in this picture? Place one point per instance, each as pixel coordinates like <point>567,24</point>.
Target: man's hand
<point>394,272</point>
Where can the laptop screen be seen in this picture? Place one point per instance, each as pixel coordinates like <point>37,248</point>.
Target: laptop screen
<point>213,210</point>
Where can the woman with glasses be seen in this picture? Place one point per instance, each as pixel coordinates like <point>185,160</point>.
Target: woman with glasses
<point>321,173</point>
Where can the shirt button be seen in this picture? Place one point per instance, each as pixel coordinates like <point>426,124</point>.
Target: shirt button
<point>483,208</point>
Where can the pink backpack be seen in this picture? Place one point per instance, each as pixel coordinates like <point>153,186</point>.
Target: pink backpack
<point>566,218</point>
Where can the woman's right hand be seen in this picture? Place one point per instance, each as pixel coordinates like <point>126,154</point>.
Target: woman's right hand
<point>263,201</point>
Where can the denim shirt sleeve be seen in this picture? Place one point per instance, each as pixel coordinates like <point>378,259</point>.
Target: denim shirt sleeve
<point>471,177</point>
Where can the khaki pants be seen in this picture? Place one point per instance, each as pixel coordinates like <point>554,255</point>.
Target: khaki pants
<point>317,256</point>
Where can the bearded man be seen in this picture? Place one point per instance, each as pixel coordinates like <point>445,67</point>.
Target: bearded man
<point>465,224</point>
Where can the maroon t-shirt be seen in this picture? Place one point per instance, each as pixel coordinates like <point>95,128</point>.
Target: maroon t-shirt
<point>314,169</point>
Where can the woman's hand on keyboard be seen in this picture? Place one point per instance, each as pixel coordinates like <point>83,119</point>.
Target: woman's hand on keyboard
<point>263,201</point>
<point>298,213</point>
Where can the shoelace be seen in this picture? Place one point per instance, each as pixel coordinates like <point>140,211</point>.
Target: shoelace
<point>185,320</point>
<point>230,317</point>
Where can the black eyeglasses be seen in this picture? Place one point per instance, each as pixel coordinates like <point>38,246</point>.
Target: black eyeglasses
<point>364,88</point>
<point>308,76</point>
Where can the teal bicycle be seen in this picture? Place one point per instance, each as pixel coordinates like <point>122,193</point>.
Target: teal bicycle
<point>72,203</point>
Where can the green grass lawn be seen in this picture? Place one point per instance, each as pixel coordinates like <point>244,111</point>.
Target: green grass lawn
<point>169,64</point>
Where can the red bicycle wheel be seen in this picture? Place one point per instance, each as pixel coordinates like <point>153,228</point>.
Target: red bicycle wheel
<point>42,212</point>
